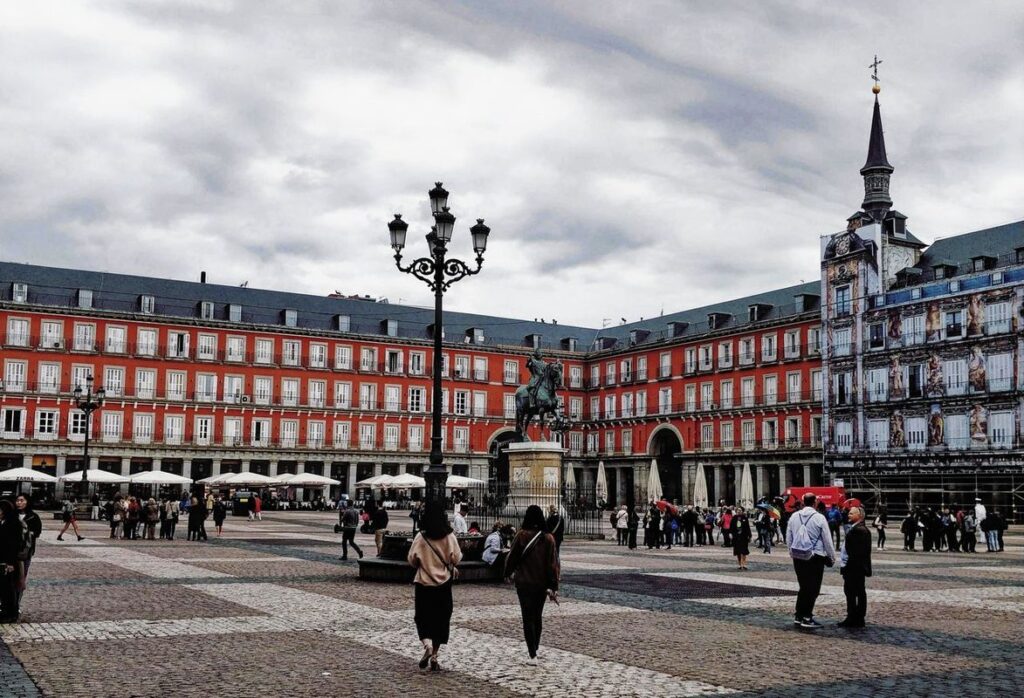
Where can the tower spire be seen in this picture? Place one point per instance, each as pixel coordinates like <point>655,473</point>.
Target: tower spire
<point>876,168</point>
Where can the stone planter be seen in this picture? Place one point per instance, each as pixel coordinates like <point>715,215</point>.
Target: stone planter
<point>392,566</point>
<point>396,544</point>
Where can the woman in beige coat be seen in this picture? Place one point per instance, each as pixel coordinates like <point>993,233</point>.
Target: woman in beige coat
<point>434,553</point>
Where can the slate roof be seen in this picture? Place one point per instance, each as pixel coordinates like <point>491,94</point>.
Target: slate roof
<point>1001,242</point>
<point>121,292</point>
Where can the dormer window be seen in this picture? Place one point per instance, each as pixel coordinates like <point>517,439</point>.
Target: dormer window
<point>234,312</point>
<point>342,323</point>
<point>474,335</point>
<point>676,329</point>
<point>982,262</point>
<point>389,327</point>
<point>290,317</point>
<point>638,336</point>
<point>533,340</point>
<point>19,292</point>
<point>84,298</point>
<point>206,310</point>
<point>569,343</point>
<point>717,320</point>
<point>147,304</point>
<point>431,329</point>
<point>758,311</point>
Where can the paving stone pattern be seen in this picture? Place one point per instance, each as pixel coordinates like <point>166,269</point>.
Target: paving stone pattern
<point>271,603</point>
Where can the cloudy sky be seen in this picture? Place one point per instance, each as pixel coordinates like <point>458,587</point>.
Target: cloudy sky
<point>629,157</point>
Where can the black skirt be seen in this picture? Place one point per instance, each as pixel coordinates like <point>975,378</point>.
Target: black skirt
<point>434,612</point>
<point>740,545</point>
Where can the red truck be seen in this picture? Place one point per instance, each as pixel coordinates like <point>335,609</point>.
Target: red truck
<point>793,497</point>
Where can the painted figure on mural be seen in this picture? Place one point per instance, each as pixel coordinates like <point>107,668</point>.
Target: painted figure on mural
<point>976,369</point>
<point>979,424</point>
<point>936,427</point>
<point>975,316</point>
<point>933,323</point>
<point>897,434</point>
<point>896,390</point>
<point>895,328</point>
<point>935,385</point>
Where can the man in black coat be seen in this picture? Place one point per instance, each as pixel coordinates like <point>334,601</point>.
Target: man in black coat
<point>855,566</point>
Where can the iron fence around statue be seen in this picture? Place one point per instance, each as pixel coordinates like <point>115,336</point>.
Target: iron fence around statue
<point>585,515</point>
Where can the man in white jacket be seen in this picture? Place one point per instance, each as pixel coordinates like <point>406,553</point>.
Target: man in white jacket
<point>979,512</point>
<point>810,545</point>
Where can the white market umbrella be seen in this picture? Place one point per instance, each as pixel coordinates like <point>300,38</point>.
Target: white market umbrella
<point>308,480</point>
<point>378,481</point>
<point>25,475</point>
<point>248,479</point>
<point>285,479</point>
<point>654,490</point>
<point>459,482</point>
<point>408,480</point>
<point>95,476</point>
<point>602,482</point>
<point>215,479</point>
<point>746,498</point>
<point>159,477</point>
<point>700,489</point>
<point>570,477</point>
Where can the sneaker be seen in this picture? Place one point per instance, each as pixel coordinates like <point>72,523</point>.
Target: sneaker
<point>796,621</point>
<point>810,624</point>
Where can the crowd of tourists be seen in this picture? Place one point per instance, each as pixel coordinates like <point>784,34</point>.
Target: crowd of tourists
<point>955,530</point>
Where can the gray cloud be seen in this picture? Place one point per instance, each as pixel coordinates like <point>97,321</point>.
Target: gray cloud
<point>643,157</point>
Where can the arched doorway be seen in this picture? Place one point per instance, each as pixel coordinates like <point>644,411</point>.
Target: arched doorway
<point>497,460</point>
<point>665,447</point>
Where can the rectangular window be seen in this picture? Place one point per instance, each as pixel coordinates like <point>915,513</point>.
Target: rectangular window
<point>509,402</point>
<point>49,378</point>
<point>142,428</point>
<point>1000,372</point>
<point>704,355</point>
<point>262,390</point>
<point>206,347</point>
<point>462,402</point>
<point>747,392</point>
<point>261,432</point>
<point>914,381</point>
<point>814,341</point>
<point>725,394</point>
<point>343,357</point>
<point>913,330</point>
<point>793,387</point>
<point>746,351</point>
<point>342,395</point>
<point>957,437</point>
<point>289,433</point>
<point>85,337</point>
<point>842,301</point>
<point>264,351</point>
<point>204,431</point>
<point>113,381</point>
<point>816,431</point>
<point>316,393</point>
<point>878,384</point>
<point>768,347</point>
<point>641,403</point>
<point>368,359</point>
<point>46,424</point>
<point>84,298</point>
<point>206,387</point>
<point>290,392</point>
<point>146,342</point>
<point>391,436</point>
<point>174,429</point>
<point>342,434</point>
<point>955,372</point>
<point>317,355</point>
<point>953,324</point>
<point>841,339</point>
<point>665,400</point>
<point>844,437</point>
<point>725,435</point>
<point>575,409</point>
<point>876,335</point>
<point>417,363</point>
<point>1000,429</point>
<point>291,352</point>
<point>392,398</point>
<point>145,383</point>
<point>367,436</point>
<point>917,434</point>
<point>609,373</point>
<point>111,429</point>
<point>233,388</point>
<point>19,292</point>
<point>480,368</point>
<point>997,318</point>
<point>595,376</point>
<point>462,367</point>
<point>878,434</point>
<point>575,443</point>
<point>592,441</point>
<point>641,368</point>
<point>479,403</point>
<point>769,433</point>
<point>609,441</point>
<point>707,437</point>
<point>417,399</point>
<point>367,396</point>
<point>690,398</point>
<point>460,438</point>
<point>792,346</point>
<point>511,373</point>
<point>843,389</point>
<point>236,349</point>
<point>749,434</point>
<point>234,312</point>
<point>80,376</point>
<point>52,335</point>
<point>792,435</point>
<point>232,431</point>
<point>14,376</point>
<point>116,340</point>
<point>707,396</point>
<point>415,437</point>
<point>725,355</point>
<point>627,405</point>
<point>17,332</point>
<point>76,429</point>
<point>609,407</point>
<point>817,393</point>
<point>177,345</point>
<point>771,390</point>
<point>393,361</point>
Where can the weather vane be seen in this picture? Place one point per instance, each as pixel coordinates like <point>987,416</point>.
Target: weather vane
<point>876,88</point>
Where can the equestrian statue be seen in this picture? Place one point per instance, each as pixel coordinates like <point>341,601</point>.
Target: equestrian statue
<point>538,398</point>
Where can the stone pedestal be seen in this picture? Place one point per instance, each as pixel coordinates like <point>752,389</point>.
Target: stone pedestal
<point>534,474</point>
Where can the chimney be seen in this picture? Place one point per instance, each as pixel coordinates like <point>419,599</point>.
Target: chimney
<point>202,277</point>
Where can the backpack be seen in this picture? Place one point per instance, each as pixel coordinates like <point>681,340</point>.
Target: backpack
<point>802,547</point>
<point>69,508</point>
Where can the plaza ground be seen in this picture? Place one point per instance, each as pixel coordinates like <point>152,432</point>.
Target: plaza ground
<point>271,606</point>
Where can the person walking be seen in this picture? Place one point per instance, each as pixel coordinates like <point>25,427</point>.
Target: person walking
<point>621,530</point>
<point>172,512</point>
<point>992,530</point>
<point>380,527</point>
<point>969,538</point>
<point>668,528</point>
<point>855,567</point>
<point>152,515</point>
<point>251,506</point>
<point>653,527</point>
<point>740,533</point>
<point>258,505</point>
<point>909,530</point>
<point>632,524</point>
<point>435,554</point>
<point>349,520</point>
<point>810,545</point>
<point>881,521</point>
<point>12,546</point>
<point>556,527</point>
<point>220,512</point>
<point>67,515</point>
<point>30,519</point>
<point>533,564</point>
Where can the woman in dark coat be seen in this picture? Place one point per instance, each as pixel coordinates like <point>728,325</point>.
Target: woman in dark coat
<point>533,562</point>
<point>739,528</point>
<point>12,568</point>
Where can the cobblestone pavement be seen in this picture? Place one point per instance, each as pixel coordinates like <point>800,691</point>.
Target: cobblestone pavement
<point>270,604</point>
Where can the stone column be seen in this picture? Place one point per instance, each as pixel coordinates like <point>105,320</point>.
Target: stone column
<point>300,467</point>
<point>186,467</point>
<point>94,462</point>
<point>378,469</point>
<point>351,484</point>
<point>272,468</point>
<point>737,481</point>
<point>158,463</point>
<point>686,496</point>
<point>215,467</point>
<point>126,469</point>
<point>62,469</point>
<point>807,476</point>
<point>620,486</point>
<point>26,460</point>
<point>762,480</point>
<point>784,481</point>
<point>719,484</point>
<point>245,466</point>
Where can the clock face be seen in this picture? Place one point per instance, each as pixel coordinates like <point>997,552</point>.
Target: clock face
<point>843,245</point>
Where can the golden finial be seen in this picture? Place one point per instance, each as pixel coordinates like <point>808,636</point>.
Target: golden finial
<point>876,88</point>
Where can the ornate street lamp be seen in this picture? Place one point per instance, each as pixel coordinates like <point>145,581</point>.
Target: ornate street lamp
<point>439,273</point>
<point>88,404</point>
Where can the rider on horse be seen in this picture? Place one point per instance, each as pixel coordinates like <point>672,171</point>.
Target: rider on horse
<point>536,366</point>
